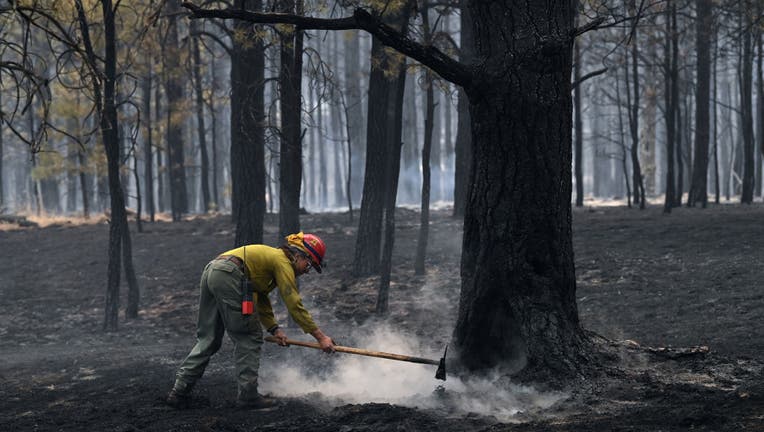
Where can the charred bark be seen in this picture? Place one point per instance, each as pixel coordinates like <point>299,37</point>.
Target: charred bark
<point>148,155</point>
<point>380,141</point>
<point>746,107</point>
<point>424,219</point>
<point>671,95</point>
<point>290,157</point>
<point>699,186</point>
<point>175,102</point>
<point>579,142</point>
<point>247,131</point>
<point>200,124</point>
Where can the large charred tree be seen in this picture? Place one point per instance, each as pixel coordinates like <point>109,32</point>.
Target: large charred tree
<point>290,91</point>
<point>517,308</point>
<point>699,186</point>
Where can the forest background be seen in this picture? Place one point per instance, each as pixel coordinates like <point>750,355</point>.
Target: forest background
<point>108,106</point>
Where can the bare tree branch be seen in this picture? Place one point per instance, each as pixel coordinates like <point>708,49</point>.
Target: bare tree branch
<point>587,76</point>
<point>442,64</point>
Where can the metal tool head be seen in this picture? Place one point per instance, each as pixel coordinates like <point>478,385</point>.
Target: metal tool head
<point>441,372</point>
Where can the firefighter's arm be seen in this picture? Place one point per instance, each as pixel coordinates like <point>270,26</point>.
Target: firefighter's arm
<point>287,286</point>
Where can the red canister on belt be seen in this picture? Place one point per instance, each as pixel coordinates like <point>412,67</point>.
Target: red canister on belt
<point>247,303</point>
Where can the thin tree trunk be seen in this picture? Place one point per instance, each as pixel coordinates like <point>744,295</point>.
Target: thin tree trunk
<point>290,157</point>
<point>424,220</point>
<point>639,188</point>
<point>670,94</point>
<point>579,128</point>
<point>746,108</point>
<point>395,121</point>
<point>201,129</point>
<point>716,120</point>
<point>463,144</point>
<point>699,185</point>
<point>379,140</point>
<point>175,103</point>
<point>624,156</point>
<point>148,155</point>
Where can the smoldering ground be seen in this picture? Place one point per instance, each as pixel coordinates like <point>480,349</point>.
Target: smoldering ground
<point>689,279</point>
<point>346,378</point>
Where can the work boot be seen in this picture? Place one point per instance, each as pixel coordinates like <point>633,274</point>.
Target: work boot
<point>178,400</point>
<point>256,403</point>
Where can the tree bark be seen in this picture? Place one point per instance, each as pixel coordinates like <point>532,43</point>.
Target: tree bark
<point>579,142</point>
<point>175,104</point>
<point>636,171</point>
<point>148,155</point>
<point>247,131</point>
<point>200,125</point>
<point>517,306</point>
<point>380,141</point>
<point>290,158</point>
<point>424,219</point>
<point>395,124</point>
<point>699,186</point>
<point>671,96</point>
<point>746,108</point>
<point>463,144</point>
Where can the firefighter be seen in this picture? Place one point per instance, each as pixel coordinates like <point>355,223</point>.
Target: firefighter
<point>234,299</point>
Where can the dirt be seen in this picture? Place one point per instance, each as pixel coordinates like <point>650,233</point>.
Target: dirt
<point>655,289</point>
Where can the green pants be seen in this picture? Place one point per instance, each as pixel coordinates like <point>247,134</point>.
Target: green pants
<point>219,312</point>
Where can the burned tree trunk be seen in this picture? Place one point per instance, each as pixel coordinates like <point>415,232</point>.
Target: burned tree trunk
<point>579,143</point>
<point>380,140</point>
<point>148,170</point>
<point>671,95</point>
<point>175,102</point>
<point>463,144</point>
<point>247,133</point>
<point>699,186</point>
<point>290,157</point>
<point>746,108</point>
<point>201,129</point>
<point>517,307</point>
<point>424,220</point>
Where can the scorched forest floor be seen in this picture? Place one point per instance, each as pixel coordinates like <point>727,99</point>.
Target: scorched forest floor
<point>646,281</point>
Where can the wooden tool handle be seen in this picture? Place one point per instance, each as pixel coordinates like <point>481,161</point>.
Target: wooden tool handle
<point>359,351</point>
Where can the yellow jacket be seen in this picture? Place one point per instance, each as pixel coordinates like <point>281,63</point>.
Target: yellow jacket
<point>269,268</point>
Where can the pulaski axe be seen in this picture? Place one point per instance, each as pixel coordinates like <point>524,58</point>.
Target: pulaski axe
<point>440,374</point>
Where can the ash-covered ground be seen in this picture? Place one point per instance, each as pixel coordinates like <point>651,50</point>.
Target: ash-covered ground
<point>646,281</point>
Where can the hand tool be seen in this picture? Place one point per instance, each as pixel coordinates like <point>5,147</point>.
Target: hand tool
<point>440,374</point>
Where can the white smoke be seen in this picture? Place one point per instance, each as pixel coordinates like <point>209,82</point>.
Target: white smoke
<point>358,379</point>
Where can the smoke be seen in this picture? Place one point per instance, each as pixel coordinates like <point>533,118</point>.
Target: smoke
<point>351,379</point>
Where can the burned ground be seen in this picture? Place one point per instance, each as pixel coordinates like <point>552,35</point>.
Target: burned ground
<point>646,281</point>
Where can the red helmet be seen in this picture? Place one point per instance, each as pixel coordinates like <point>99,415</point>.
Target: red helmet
<point>316,249</point>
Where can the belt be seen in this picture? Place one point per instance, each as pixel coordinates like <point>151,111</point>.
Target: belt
<point>236,260</point>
